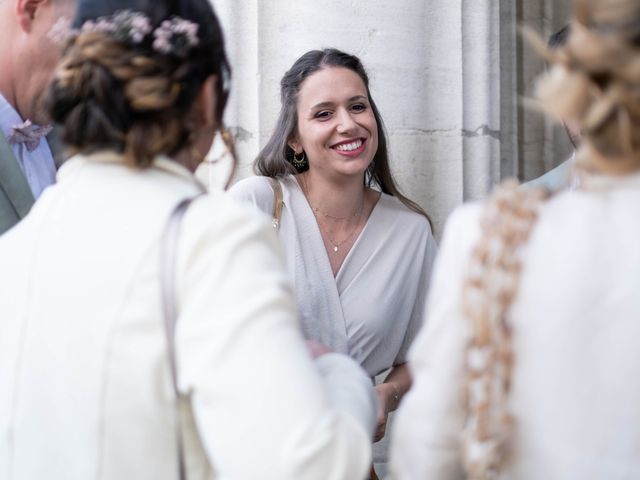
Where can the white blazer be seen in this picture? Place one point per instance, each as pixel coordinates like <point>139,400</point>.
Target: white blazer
<point>85,388</point>
<point>576,323</point>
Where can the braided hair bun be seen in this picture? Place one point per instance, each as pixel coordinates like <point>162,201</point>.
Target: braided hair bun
<point>596,82</point>
<point>131,72</point>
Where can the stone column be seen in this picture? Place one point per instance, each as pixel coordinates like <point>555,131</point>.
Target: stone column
<point>543,143</point>
<point>447,77</point>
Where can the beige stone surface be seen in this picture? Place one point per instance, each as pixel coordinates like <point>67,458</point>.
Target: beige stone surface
<point>448,77</point>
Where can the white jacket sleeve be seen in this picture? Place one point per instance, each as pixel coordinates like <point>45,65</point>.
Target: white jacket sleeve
<point>263,408</point>
<point>426,434</point>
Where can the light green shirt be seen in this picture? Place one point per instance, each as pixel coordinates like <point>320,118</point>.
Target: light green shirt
<point>558,178</point>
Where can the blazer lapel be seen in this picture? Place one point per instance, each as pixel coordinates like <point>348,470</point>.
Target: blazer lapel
<point>13,181</point>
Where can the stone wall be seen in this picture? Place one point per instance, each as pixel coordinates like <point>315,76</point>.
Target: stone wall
<point>448,77</point>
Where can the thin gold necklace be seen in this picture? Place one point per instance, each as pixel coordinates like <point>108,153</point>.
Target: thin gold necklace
<point>316,210</point>
<point>356,214</point>
<point>336,245</point>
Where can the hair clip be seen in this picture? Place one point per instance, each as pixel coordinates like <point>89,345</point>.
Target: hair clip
<point>124,25</point>
<point>175,36</point>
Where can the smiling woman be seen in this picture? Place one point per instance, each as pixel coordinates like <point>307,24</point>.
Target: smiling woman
<point>337,129</point>
<point>358,251</point>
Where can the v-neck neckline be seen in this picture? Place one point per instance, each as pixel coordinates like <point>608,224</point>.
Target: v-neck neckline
<point>309,212</point>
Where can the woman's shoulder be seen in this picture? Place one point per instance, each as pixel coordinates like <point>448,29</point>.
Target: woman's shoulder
<point>393,208</point>
<point>461,234</point>
<point>252,187</point>
<point>218,215</point>
<point>465,219</point>
<point>257,191</point>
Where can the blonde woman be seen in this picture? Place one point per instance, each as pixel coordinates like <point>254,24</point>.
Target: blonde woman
<point>529,366</point>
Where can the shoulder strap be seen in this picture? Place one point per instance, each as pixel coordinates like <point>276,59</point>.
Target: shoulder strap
<point>168,257</point>
<point>277,202</point>
<point>168,254</point>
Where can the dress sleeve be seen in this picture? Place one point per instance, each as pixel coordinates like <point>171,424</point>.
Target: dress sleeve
<point>263,407</point>
<point>255,191</point>
<point>431,417</point>
<point>418,314</point>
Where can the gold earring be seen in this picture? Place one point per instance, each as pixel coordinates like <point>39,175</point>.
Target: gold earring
<point>301,162</point>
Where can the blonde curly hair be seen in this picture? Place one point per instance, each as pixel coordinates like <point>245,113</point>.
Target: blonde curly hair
<point>595,82</point>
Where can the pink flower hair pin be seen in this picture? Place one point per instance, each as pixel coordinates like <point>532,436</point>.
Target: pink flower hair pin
<point>124,25</point>
<point>175,36</point>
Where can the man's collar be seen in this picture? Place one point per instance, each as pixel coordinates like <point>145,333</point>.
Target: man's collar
<point>8,116</point>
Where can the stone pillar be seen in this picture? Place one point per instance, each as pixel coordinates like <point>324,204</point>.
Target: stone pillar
<point>543,143</point>
<point>447,77</point>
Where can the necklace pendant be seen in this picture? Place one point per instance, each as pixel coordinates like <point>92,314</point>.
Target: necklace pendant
<point>335,249</point>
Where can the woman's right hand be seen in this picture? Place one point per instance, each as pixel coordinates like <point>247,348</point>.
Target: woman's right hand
<point>317,349</point>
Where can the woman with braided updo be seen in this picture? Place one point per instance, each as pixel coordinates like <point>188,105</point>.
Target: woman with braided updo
<point>529,366</point>
<point>133,350</point>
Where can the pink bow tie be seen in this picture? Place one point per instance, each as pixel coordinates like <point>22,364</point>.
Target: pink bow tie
<point>28,134</point>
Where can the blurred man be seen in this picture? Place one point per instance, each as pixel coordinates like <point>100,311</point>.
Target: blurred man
<point>560,177</point>
<point>27,59</point>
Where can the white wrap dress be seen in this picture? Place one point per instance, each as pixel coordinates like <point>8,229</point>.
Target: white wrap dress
<point>374,306</point>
